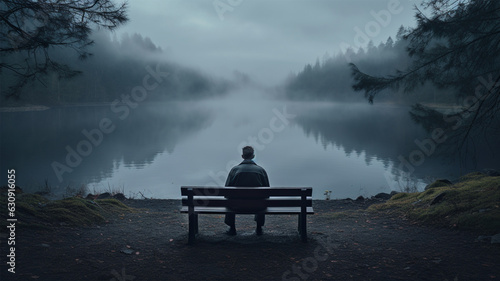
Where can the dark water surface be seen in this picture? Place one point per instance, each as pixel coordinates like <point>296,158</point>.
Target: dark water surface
<point>349,149</point>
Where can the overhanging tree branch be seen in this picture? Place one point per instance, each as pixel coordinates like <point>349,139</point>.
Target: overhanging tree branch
<point>30,27</point>
<point>453,48</point>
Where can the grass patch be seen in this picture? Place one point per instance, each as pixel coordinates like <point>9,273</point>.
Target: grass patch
<point>36,211</point>
<point>439,183</point>
<point>473,204</point>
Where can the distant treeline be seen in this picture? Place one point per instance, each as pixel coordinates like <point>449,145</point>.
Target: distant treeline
<point>115,69</point>
<point>330,78</point>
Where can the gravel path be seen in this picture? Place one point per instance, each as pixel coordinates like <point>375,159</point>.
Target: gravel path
<point>345,243</point>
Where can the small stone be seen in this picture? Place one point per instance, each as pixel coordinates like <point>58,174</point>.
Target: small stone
<point>483,238</point>
<point>495,239</point>
<point>45,245</point>
<point>127,251</point>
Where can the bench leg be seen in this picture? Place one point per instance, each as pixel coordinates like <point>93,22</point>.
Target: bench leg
<point>193,227</point>
<point>196,224</point>
<point>299,228</point>
<point>303,227</point>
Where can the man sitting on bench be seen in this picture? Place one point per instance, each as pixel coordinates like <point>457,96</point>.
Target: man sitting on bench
<point>247,174</point>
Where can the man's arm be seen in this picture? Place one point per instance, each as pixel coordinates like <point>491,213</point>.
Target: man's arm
<point>266,179</point>
<point>230,177</point>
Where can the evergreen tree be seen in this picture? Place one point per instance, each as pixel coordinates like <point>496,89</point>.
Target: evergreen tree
<point>456,47</point>
<point>29,29</point>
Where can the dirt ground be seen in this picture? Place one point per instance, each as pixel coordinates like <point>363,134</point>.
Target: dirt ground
<point>345,243</point>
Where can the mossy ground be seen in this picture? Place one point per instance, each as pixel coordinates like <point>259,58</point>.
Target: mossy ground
<point>472,204</point>
<point>35,211</point>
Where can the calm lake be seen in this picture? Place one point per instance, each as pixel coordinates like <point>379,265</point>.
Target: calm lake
<point>349,149</point>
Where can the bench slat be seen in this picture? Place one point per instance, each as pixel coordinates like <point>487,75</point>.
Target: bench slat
<point>270,210</point>
<point>245,191</point>
<point>247,202</point>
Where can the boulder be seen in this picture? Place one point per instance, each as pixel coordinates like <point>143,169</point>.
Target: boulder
<point>90,196</point>
<point>383,195</point>
<point>119,196</point>
<point>105,195</point>
<point>492,173</point>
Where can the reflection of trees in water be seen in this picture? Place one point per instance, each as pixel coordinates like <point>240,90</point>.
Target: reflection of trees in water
<point>472,145</point>
<point>31,141</point>
<point>381,132</point>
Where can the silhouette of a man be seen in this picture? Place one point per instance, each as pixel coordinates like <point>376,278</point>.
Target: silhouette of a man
<point>246,174</point>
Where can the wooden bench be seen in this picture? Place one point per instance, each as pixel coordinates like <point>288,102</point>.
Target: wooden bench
<point>248,200</point>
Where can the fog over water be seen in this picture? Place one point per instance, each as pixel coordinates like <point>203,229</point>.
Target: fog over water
<point>350,149</point>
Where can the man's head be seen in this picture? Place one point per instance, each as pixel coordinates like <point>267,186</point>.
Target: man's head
<point>248,153</point>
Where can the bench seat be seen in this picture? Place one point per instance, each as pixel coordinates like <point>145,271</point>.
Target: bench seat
<point>268,200</point>
<point>268,211</point>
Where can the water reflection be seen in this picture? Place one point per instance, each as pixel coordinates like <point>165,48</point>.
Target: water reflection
<point>32,141</point>
<point>388,134</point>
<point>381,132</point>
<point>350,149</point>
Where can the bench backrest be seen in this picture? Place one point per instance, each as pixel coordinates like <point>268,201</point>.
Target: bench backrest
<point>246,196</point>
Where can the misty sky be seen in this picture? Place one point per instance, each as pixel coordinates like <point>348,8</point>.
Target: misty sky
<point>263,38</point>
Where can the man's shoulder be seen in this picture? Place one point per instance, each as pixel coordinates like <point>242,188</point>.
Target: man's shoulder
<point>248,165</point>
<point>259,167</point>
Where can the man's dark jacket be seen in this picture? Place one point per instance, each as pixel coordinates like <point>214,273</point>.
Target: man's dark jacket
<point>247,174</point>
